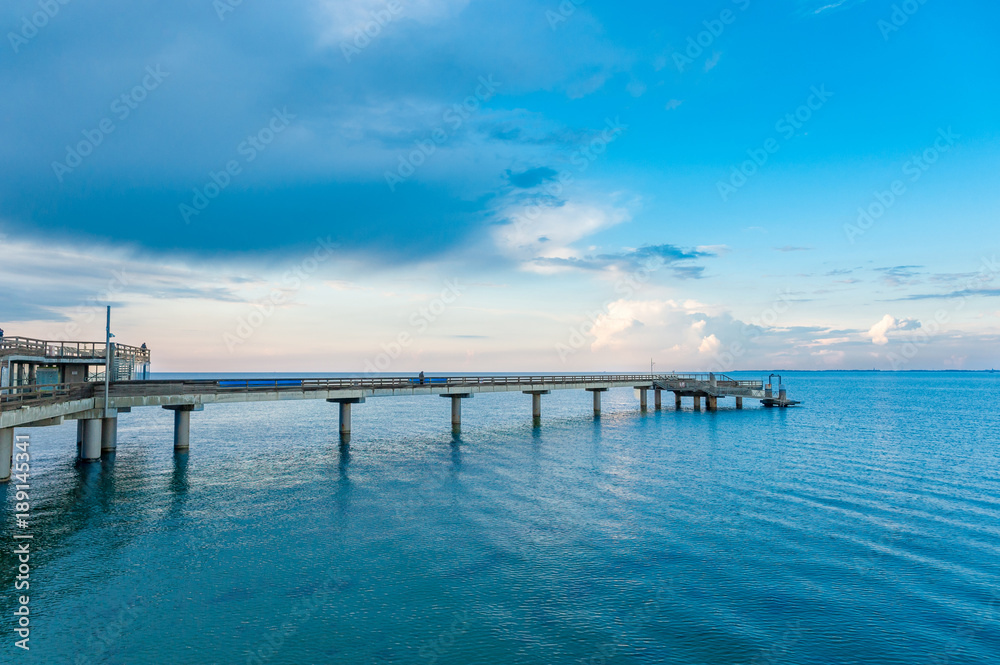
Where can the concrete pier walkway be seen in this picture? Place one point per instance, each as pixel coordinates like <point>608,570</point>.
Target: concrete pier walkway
<point>46,405</point>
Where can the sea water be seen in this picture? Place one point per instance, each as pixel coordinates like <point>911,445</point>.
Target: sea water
<point>860,527</point>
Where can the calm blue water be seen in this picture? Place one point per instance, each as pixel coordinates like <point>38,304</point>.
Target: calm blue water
<point>863,527</point>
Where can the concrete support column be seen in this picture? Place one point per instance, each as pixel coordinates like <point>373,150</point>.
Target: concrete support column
<point>79,438</point>
<point>782,393</point>
<point>20,374</point>
<point>739,402</point>
<point>597,400</point>
<point>642,399</point>
<point>767,391</point>
<point>345,418</point>
<point>536,403</point>
<point>182,430</point>
<point>677,401</point>
<point>6,452</point>
<point>90,451</point>
<point>712,403</point>
<point>109,434</point>
<point>456,409</point>
<point>182,424</point>
<point>697,402</point>
<point>345,413</point>
<point>657,399</point>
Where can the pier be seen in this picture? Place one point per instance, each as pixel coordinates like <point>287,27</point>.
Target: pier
<point>96,405</point>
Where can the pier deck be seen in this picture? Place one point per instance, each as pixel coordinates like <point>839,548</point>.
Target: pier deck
<point>25,402</point>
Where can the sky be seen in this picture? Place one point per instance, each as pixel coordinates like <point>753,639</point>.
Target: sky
<point>467,186</point>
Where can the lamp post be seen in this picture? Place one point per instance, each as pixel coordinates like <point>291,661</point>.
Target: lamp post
<point>107,360</point>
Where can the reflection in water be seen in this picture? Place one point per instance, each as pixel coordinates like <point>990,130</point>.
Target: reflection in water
<point>342,493</point>
<point>344,459</point>
<point>88,482</point>
<point>179,485</point>
<point>456,451</point>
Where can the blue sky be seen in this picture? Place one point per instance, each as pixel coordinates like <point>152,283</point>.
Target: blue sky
<point>464,186</point>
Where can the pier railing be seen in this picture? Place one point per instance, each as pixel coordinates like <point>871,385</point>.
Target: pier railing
<point>26,346</point>
<point>16,397</point>
<point>371,383</point>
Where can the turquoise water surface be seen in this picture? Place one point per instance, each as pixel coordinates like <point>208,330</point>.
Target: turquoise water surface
<point>861,527</point>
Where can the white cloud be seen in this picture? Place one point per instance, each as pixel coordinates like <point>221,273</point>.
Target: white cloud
<point>709,346</point>
<point>879,333</point>
<point>548,232</point>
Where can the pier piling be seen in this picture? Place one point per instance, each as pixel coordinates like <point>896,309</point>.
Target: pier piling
<point>6,452</point>
<point>182,424</point>
<point>345,413</point>
<point>90,450</point>
<point>109,434</point>
<point>536,403</point>
<point>597,400</point>
<point>456,409</point>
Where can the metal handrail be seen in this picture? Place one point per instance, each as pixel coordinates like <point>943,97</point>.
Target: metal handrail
<point>18,396</point>
<point>14,397</point>
<point>59,349</point>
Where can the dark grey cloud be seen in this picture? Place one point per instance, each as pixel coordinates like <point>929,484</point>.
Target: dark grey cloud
<point>531,177</point>
<point>899,275</point>
<point>326,173</point>
<point>964,293</point>
<point>651,258</point>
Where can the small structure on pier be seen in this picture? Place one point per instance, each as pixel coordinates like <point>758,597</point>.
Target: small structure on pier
<point>34,362</point>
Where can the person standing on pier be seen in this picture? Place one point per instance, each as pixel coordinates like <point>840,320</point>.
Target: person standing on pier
<point>421,378</point>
